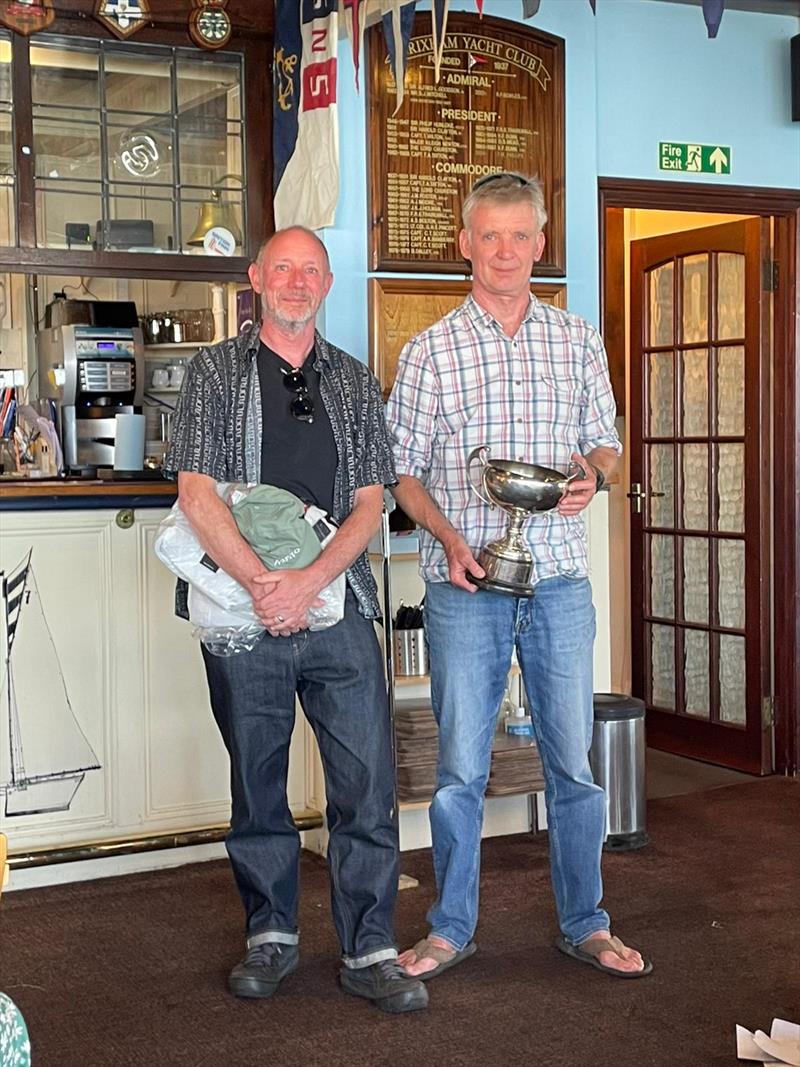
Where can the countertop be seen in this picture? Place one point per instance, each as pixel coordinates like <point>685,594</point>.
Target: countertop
<point>23,494</point>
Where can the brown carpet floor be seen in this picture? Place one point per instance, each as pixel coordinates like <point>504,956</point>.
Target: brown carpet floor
<point>131,971</point>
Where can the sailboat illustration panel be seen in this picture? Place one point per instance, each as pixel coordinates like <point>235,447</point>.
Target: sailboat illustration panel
<point>45,753</point>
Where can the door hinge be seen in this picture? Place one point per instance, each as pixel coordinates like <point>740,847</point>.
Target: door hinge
<point>769,275</point>
<point>767,712</point>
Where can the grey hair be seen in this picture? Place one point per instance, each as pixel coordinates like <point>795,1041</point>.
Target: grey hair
<point>288,229</point>
<point>506,187</point>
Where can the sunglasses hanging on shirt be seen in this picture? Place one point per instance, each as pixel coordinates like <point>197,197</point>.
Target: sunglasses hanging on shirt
<point>301,406</point>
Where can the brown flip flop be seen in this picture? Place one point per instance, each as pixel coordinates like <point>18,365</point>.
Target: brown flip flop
<point>588,951</point>
<point>444,959</point>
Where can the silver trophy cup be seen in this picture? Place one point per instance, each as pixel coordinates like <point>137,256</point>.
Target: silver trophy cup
<point>520,489</point>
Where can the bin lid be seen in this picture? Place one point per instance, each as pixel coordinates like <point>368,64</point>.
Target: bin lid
<point>611,707</point>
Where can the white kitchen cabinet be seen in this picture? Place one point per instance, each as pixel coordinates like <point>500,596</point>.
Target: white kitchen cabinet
<point>135,680</point>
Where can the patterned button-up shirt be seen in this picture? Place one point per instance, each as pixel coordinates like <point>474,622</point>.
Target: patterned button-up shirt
<point>537,397</point>
<point>216,428</point>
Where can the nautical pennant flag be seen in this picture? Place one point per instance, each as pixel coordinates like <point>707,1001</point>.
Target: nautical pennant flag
<point>305,120</point>
<point>529,8</point>
<point>355,17</point>
<point>439,24</point>
<point>398,24</point>
<point>479,5</point>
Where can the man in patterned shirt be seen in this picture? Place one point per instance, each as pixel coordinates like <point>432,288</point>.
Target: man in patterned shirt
<point>281,405</point>
<point>531,382</point>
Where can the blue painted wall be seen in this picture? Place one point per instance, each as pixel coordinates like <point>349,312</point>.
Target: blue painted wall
<point>637,73</point>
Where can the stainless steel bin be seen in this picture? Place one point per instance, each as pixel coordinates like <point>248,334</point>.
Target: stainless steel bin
<point>410,652</point>
<point>617,758</point>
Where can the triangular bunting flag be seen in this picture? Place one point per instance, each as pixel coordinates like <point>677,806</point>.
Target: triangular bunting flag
<point>439,23</point>
<point>712,13</point>
<point>530,8</point>
<point>398,22</point>
<point>355,16</point>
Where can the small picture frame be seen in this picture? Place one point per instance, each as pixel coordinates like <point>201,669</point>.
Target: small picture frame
<point>245,304</point>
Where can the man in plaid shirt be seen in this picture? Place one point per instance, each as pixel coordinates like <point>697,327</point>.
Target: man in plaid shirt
<point>531,382</point>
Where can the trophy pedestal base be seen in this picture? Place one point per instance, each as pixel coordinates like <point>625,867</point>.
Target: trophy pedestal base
<point>493,585</point>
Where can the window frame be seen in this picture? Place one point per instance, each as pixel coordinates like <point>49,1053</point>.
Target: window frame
<point>251,40</point>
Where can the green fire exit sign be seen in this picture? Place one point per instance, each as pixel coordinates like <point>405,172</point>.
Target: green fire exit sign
<point>694,158</point>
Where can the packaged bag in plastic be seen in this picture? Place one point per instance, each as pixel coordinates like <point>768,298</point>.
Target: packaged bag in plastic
<point>283,532</point>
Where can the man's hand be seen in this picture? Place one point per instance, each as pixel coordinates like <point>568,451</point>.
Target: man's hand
<point>461,561</point>
<point>282,600</point>
<point>581,490</point>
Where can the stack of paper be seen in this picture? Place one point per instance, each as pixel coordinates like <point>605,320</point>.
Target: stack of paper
<point>781,1045</point>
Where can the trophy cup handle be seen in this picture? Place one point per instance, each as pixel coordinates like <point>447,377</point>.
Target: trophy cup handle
<point>575,470</point>
<point>479,453</point>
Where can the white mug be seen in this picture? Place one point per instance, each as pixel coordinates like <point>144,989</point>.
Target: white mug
<point>160,379</point>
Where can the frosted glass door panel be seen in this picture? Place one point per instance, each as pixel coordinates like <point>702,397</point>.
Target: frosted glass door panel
<point>695,579</point>
<point>730,561</point>
<point>662,658</point>
<point>730,392</point>
<point>730,488</point>
<point>694,393</point>
<point>662,304</point>
<point>662,481</point>
<point>695,299</point>
<point>695,487</point>
<point>731,679</point>
<point>662,576</point>
<point>730,295</point>
<point>661,416</point>
<point>696,673</point>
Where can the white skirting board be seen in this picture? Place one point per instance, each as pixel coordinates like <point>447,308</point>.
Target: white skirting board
<point>502,815</point>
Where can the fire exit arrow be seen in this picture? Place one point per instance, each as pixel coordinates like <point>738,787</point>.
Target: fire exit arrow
<point>719,161</point>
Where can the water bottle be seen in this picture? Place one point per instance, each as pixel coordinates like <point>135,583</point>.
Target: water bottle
<point>519,724</point>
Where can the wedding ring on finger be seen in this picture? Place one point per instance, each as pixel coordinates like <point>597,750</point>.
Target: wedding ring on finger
<point>279,618</point>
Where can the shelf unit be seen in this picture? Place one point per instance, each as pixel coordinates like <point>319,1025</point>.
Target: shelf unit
<point>162,398</point>
<point>412,681</point>
<point>152,351</point>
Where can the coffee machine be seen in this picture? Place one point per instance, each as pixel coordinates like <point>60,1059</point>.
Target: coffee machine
<point>94,373</point>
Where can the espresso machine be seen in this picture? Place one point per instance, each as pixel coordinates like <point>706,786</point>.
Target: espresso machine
<point>94,373</point>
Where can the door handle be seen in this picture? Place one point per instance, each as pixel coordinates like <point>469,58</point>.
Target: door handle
<point>637,495</point>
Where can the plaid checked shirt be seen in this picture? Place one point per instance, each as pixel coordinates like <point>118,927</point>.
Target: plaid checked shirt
<point>536,397</point>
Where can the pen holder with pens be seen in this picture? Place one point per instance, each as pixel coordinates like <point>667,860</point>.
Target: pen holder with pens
<point>410,647</point>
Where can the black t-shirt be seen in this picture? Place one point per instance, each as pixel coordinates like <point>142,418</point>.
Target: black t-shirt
<point>297,456</point>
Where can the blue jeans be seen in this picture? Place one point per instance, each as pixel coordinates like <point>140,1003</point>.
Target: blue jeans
<point>338,675</point>
<point>471,638</point>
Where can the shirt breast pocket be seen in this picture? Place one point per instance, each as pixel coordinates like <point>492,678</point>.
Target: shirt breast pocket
<point>559,399</point>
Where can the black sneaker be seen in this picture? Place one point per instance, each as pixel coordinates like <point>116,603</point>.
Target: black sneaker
<point>386,985</point>
<point>263,969</point>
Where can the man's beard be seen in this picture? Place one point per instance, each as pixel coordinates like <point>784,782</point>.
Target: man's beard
<point>294,324</point>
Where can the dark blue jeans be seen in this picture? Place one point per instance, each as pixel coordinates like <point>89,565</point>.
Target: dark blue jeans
<point>338,675</point>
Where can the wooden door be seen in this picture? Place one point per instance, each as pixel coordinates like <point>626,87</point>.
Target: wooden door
<point>699,495</point>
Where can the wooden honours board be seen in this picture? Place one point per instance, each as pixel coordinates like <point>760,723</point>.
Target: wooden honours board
<point>400,308</point>
<point>499,105</point>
